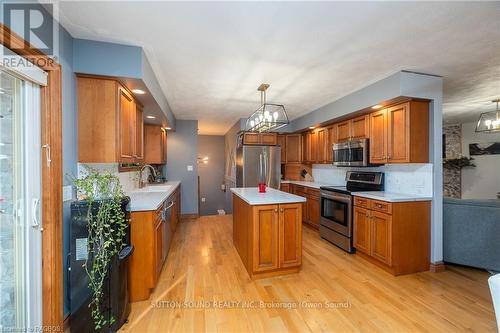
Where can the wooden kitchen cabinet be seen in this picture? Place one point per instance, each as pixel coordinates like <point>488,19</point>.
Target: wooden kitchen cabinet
<point>268,238</point>
<point>265,238</point>
<point>293,146</point>
<point>393,235</point>
<point>255,138</point>
<point>362,230</point>
<point>155,138</point>
<point>282,143</point>
<point>322,138</point>
<point>139,133</point>
<point>309,147</point>
<point>381,246</point>
<point>158,246</point>
<point>311,210</point>
<point>285,187</point>
<point>355,128</point>
<point>331,140</point>
<point>109,122</point>
<point>400,134</point>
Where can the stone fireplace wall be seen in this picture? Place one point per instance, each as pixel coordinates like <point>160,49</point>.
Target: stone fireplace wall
<point>452,179</point>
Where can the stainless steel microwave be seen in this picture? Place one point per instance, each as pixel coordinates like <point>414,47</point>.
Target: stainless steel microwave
<point>351,153</point>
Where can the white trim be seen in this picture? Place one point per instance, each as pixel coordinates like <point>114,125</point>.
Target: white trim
<point>20,67</point>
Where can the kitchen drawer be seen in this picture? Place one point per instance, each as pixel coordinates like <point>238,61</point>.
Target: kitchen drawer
<point>381,206</point>
<point>361,202</point>
<point>312,192</point>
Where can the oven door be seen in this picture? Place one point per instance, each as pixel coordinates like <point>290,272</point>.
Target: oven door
<point>336,212</point>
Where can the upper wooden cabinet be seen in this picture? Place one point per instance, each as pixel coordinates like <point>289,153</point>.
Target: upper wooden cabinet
<point>155,139</point>
<point>310,147</point>
<point>331,139</point>
<point>109,123</point>
<point>353,128</point>
<point>293,148</point>
<point>322,138</point>
<point>282,144</point>
<point>400,134</point>
<point>254,138</point>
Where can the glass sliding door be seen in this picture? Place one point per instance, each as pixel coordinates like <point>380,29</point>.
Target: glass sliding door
<point>20,178</point>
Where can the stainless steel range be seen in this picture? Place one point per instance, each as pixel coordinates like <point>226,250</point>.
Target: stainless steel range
<point>336,223</point>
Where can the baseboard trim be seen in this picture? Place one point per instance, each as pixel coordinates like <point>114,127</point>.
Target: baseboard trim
<point>189,216</point>
<point>436,267</point>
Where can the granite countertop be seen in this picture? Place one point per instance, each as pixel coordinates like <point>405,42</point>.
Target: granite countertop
<point>151,197</point>
<point>391,197</point>
<point>315,185</point>
<point>252,196</point>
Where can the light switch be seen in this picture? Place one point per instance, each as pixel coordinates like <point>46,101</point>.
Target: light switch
<point>67,193</point>
<point>190,168</point>
<point>203,199</point>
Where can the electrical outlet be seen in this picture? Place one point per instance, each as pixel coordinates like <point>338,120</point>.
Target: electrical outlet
<point>190,168</point>
<point>67,193</point>
<point>203,199</point>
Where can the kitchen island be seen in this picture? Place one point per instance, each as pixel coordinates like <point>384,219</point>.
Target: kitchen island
<point>267,231</point>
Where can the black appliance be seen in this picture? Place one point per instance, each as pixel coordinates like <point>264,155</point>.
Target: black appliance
<point>351,153</point>
<point>336,221</point>
<point>116,298</point>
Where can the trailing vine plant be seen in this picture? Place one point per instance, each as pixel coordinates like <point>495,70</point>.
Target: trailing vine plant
<point>106,233</point>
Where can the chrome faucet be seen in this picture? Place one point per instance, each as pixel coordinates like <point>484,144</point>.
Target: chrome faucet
<point>141,183</point>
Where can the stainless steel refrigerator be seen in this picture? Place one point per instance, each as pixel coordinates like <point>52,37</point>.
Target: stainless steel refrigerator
<point>250,160</point>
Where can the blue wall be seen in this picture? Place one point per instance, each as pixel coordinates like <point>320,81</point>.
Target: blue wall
<point>182,150</point>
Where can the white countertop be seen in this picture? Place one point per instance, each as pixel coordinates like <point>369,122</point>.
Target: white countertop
<point>151,196</point>
<point>315,185</point>
<point>271,197</point>
<point>391,197</point>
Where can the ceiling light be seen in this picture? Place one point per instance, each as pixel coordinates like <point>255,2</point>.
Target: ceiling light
<point>151,117</point>
<point>138,91</point>
<point>375,107</point>
<point>489,122</point>
<point>268,117</point>
<point>312,127</point>
<point>168,128</point>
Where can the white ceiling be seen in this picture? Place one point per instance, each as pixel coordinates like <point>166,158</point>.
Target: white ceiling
<point>210,57</point>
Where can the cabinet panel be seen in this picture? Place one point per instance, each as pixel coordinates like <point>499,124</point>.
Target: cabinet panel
<point>362,230</point>
<point>359,127</point>
<point>313,147</point>
<point>250,138</point>
<point>293,148</point>
<point>343,131</point>
<point>127,125</point>
<point>139,133</point>
<point>269,139</point>
<point>378,137</point>
<point>282,144</point>
<point>381,237</point>
<point>331,140</point>
<point>322,137</point>
<point>398,133</point>
<point>155,143</point>
<point>265,238</point>
<point>290,235</point>
<point>313,211</point>
<point>158,248</point>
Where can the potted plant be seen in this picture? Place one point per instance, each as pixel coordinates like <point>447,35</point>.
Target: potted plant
<point>107,228</point>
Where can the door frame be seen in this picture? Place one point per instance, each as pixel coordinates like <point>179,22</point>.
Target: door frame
<point>51,203</point>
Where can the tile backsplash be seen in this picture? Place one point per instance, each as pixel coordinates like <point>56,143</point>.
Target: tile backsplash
<point>413,179</point>
<point>128,180</point>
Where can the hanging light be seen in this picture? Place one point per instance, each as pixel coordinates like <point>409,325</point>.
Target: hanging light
<point>268,117</point>
<point>489,122</point>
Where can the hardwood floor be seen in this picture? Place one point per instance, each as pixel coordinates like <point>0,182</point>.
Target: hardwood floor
<point>203,266</point>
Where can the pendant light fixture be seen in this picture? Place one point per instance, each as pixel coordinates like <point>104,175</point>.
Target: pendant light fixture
<point>268,117</point>
<point>489,122</point>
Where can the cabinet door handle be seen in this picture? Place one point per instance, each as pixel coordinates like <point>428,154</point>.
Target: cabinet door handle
<point>275,210</point>
<point>281,210</point>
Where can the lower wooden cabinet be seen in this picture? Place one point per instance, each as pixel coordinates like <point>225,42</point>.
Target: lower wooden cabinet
<point>268,238</point>
<point>285,187</point>
<point>394,236</point>
<point>311,210</point>
<point>147,230</point>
